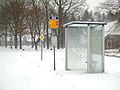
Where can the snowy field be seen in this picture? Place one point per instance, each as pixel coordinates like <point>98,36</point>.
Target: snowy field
<point>24,70</point>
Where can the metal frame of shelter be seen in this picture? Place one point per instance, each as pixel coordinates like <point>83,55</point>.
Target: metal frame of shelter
<point>74,24</point>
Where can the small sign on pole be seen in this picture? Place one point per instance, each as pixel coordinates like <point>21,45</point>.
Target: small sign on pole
<point>42,37</point>
<point>42,43</point>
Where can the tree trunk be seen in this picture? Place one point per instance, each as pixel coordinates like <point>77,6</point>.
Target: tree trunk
<point>32,42</point>
<point>32,38</point>
<point>0,41</point>
<point>16,43</point>
<point>59,30</point>
<point>11,41</point>
<point>20,37</point>
<point>35,45</point>
<point>44,33</point>
<point>47,25</point>
<point>62,37</point>
<point>5,37</point>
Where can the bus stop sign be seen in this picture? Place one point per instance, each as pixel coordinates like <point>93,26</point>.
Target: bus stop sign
<point>53,23</point>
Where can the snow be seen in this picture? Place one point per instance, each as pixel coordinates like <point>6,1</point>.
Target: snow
<point>24,70</point>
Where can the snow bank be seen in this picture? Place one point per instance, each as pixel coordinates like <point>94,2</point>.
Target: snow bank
<point>23,70</point>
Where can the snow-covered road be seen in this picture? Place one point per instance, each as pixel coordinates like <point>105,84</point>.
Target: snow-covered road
<point>23,70</point>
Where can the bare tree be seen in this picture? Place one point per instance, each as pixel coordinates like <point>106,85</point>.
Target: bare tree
<point>3,22</point>
<point>65,8</point>
<point>112,8</point>
<point>46,7</point>
<point>34,18</point>
<point>14,12</point>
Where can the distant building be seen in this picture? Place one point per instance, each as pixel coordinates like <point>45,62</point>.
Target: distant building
<point>112,35</point>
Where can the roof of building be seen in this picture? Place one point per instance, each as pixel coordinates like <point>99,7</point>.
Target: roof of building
<point>79,23</point>
<point>112,28</point>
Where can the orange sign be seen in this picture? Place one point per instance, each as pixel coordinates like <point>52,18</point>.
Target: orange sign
<point>53,24</point>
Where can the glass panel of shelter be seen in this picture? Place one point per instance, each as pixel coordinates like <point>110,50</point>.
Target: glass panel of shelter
<point>96,48</point>
<point>77,48</point>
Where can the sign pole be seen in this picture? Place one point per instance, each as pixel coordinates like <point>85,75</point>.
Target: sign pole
<point>54,58</point>
<point>41,42</point>
<point>41,53</point>
<point>54,24</point>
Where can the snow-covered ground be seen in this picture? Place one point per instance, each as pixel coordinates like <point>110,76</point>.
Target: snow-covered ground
<point>24,70</point>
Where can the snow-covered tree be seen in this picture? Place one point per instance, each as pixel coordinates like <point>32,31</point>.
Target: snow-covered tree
<point>112,8</point>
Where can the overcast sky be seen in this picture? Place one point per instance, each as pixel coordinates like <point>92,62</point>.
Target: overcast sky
<point>93,3</point>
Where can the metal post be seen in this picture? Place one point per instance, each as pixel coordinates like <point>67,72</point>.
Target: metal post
<point>66,49</point>
<point>102,48</point>
<point>41,53</point>
<point>54,58</point>
<point>88,51</point>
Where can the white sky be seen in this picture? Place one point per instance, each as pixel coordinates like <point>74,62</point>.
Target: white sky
<point>93,3</point>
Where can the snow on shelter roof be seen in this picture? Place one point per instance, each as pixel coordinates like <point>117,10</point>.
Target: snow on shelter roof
<point>83,24</point>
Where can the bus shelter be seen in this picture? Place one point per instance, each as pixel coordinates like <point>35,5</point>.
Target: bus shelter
<point>84,43</point>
